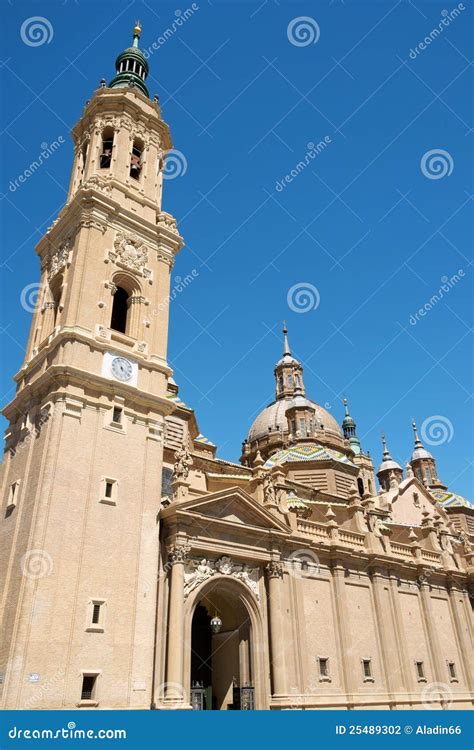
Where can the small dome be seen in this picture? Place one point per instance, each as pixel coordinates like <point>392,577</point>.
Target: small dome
<point>389,465</point>
<point>273,418</point>
<point>420,453</point>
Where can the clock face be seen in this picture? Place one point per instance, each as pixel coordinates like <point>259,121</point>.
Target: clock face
<point>121,368</point>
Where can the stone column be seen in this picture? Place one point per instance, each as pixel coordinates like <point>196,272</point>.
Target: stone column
<point>342,624</point>
<point>274,571</point>
<point>244,657</point>
<point>175,690</point>
<point>464,645</point>
<point>407,670</point>
<point>433,640</point>
<point>389,662</point>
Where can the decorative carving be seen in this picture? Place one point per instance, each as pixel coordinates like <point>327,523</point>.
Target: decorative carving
<point>131,253</point>
<point>99,182</point>
<point>198,571</point>
<point>60,258</point>
<point>167,221</point>
<point>178,553</point>
<point>274,569</point>
<point>183,461</point>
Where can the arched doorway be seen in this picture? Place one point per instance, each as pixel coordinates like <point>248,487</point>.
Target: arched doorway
<point>224,666</point>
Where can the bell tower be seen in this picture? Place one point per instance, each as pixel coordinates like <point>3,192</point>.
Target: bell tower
<point>81,478</point>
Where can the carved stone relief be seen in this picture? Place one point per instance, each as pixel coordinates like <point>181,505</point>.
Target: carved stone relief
<point>198,571</point>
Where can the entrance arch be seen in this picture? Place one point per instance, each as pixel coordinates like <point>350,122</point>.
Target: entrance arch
<point>229,666</point>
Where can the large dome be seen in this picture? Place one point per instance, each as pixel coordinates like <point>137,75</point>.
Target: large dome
<point>273,418</point>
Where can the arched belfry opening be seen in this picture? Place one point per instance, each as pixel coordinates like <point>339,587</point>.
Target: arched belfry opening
<point>221,665</point>
<point>120,306</point>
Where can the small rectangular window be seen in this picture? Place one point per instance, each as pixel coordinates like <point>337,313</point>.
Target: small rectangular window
<point>108,491</point>
<point>452,670</point>
<point>323,667</point>
<point>367,668</point>
<point>88,687</point>
<point>117,415</point>
<point>420,670</point>
<point>13,495</point>
<point>96,614</point>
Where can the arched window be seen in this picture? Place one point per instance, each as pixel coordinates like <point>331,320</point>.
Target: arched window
<point>120,310</point>
<point>166,479</point>
<point>280,382</point>
<point>56,290</point>
<point>428,474</point>
<point>289,380</point>
<point>360,486</point>
<point>107,146</point>
<point>136,159</point>
<point>83,162</point>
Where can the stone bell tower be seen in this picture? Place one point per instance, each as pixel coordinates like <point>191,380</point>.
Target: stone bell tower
<point>81,479</point>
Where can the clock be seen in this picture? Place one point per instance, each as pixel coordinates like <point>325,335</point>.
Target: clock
<point>121,368</point>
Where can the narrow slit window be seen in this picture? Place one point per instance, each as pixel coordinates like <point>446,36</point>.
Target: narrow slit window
<point>452,670</point>
<point>420,670</point>
<point>88,687</point>
<point>109,488</point>
<point>117,415</point>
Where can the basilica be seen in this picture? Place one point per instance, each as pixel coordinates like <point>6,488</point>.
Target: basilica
<point>139,570</point>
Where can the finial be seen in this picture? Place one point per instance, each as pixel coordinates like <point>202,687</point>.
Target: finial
<point>286,346</point>
<point>137,30</point>
<point>415,431</point>
<point>386,452</point>
<point>346,407</point>
<point>102,83</point>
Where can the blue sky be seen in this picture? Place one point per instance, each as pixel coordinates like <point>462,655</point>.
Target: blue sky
<point>374,223</point>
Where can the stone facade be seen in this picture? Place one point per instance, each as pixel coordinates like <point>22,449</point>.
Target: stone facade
<point>139,570</point>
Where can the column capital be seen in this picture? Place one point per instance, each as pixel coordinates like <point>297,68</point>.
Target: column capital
<point>274,569</point>
<point>178,552</point>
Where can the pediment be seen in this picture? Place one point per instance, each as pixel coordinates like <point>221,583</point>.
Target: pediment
<point>411,500</point>
<point>236,507</point>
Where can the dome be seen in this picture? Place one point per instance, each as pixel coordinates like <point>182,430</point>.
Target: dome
<point>273,418</point>
<point>309,452</point>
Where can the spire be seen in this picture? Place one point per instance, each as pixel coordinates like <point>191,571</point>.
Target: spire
<point>286,346</point>
<point>349,428</point>
<point>131,66</point>
<point>387,466</point>
<point>419,450</point>
<point>418,443</point>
